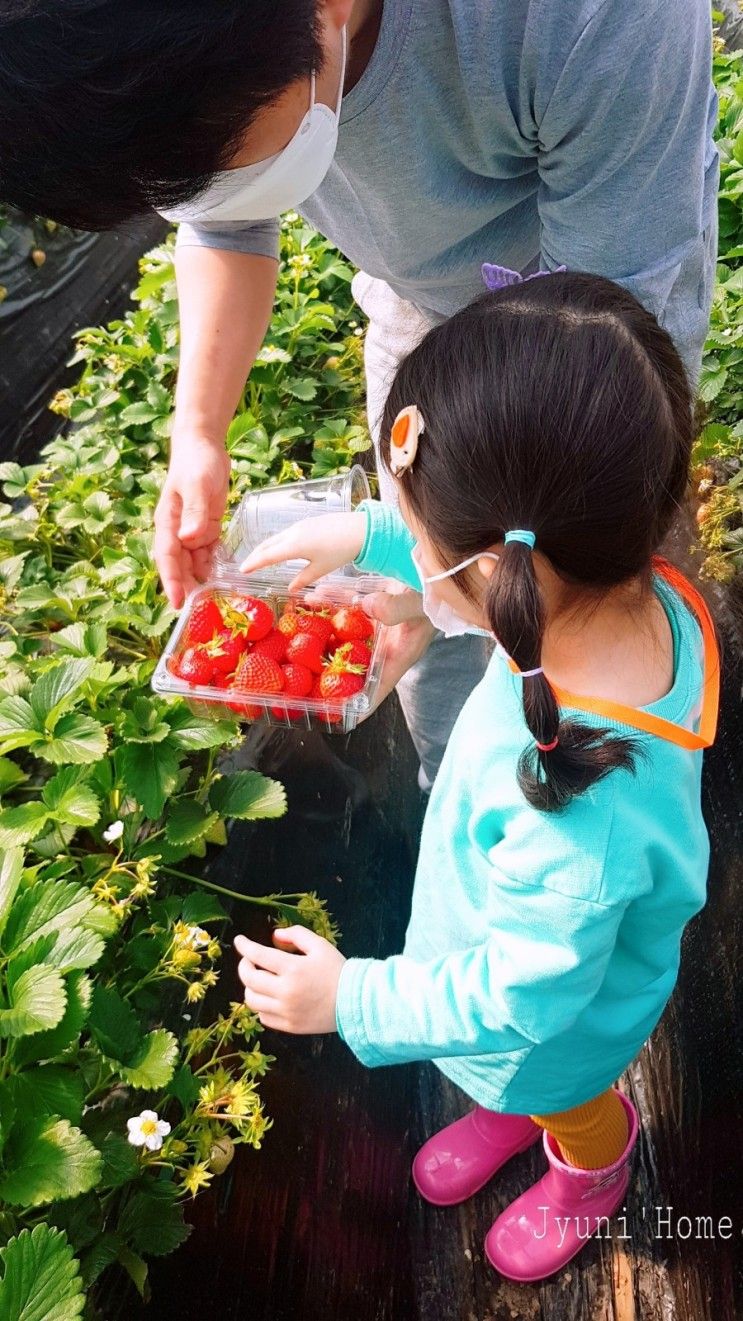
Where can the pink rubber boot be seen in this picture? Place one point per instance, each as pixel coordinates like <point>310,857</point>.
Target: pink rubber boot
<point>549,1224</point>
<point>457,1162</point>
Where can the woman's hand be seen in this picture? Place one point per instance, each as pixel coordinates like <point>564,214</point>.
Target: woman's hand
<point>188,518</point>
<point>409,635</point>
<point>327,542</point>
<point>291,992</point>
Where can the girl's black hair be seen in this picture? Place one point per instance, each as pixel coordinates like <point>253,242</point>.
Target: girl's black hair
<point>558,405</point>
<point>111,107</point>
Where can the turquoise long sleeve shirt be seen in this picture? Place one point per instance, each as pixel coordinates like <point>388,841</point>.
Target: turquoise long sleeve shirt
<point>542,948</point>
<point>527,133</point>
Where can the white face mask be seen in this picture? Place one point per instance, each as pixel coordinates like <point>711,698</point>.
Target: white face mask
<point>441,614</point>
<point>279,183</point>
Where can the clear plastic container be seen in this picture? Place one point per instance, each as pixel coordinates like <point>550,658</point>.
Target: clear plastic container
<point>258,516</point>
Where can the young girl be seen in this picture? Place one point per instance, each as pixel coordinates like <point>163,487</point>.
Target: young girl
<point>541,442</point>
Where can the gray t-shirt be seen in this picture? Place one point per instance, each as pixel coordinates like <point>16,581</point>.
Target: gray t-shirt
<point>527,133</point>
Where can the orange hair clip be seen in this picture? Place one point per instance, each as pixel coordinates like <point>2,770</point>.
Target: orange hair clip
<point>407,429</point>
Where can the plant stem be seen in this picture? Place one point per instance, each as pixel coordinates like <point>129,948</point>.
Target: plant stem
<point>220,889</point>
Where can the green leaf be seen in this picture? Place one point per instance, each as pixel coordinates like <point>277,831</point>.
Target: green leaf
<point>47,1045</point>
<point>47,1090</point>
<point>11,872</point>
<point>47,1160</point>
<point>57,688</point>
<point>77,738</point>
<point>150,774</point>
<point>155,1062</point>
<point>18,725</point>
<point>45,907</point>
<point>120,1162</point>
<point>41,1278</point>
<point>101,1254</point>
<point>75,949</point>
<point>199,908</point>
<point>152,1222</point>
<point>82,639</point>
<point>302,388</point>
<point>10,775</point>
<point>37,1001</point>
<point>188,821</point>
<point>138,414</point>
<point>19,825</point>
<point>136,1269</point>
<point>193,734</point>
<point>70,799</point>
<point>248,796</point>
<point>115,1026</point>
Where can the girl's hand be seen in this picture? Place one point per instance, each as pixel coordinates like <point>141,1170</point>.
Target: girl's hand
<point>291,992</point>
<point>327,542</point>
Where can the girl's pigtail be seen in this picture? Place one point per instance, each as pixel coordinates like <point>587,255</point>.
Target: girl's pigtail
<point>566,756</point>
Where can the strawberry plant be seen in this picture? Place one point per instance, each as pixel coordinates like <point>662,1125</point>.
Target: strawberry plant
<point>718,455</point>
<point>116,1104</point>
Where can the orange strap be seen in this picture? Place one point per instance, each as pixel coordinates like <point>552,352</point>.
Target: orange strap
<point>650,724</point>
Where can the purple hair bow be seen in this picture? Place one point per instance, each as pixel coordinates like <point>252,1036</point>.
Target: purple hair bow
<point>500,277</point>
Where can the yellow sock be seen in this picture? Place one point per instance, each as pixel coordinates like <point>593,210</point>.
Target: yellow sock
<point>591,1135</point>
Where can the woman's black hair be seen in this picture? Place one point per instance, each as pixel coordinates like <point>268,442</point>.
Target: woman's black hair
<point>561,406</point>
<point>109,108</point>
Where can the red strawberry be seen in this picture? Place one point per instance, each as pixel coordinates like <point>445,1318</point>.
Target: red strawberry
<point>204,621</point>
<point>297,683</point>
<point>193,665</point>
<point>305,649</point>
<point>352,624</point>
<point>339,685</point>
<point>330,717</point>
<point>318,626</point>
<point>225,650</point>
<point>257,674</point>
<point>351,653</point>
<point>298,680</point>
<point>247,712</point>
<point>249,616</point>
<point>273,646</point>
<point>289,623</point>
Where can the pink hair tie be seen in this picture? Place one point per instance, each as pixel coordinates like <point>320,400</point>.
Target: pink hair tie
<point>548,747</point>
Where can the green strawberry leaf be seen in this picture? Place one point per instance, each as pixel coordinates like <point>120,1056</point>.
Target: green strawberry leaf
<point>37,1001</point>
<point>150,773</point>
<point>48,1045</point>
<point>77,738</point>
<point>115,1026</point>
<point>188,821</point>
<point>70,799</point>
<point>48,1090</point>
<point>11,874</point>
<point>192,734</point>
<point>56,689</point>
<point>154,1064</point>
<point>22,824</point>
<point>19,727</point>
<point>248,796</point>
<point>47,1160</point>
<point>48,906</point>
<point>10,775</point>
<point>41,1278</point>
<point>152,1222</point>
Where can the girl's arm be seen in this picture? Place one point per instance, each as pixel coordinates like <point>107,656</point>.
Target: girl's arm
<point>374,537</point>
<point>538,970</point>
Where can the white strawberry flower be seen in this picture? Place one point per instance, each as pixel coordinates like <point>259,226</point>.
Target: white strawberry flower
<point>114,832</point>
<point>146,1130</point>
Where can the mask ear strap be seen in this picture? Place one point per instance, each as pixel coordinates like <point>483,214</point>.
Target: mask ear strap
<point>481,555</point>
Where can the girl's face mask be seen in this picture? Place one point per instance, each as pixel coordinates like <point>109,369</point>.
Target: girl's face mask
<point>279,183</point>
<point>441,614</point>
